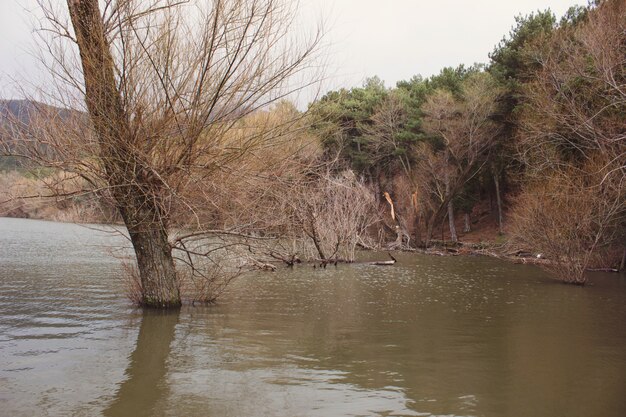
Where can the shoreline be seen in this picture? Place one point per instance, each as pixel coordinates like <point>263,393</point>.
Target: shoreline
<point>437,247</point>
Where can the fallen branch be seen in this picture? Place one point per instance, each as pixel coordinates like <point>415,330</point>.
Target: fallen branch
<point>262,265</point>
<point>384,263</point>
<point>603,269</point>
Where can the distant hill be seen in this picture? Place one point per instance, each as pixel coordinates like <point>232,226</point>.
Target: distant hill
<point>23,110</point>
<point>17,115</point>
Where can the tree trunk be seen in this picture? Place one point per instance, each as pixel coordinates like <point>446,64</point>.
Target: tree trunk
<point>453,235</point>
<point>402,231</point>
<point>418,231</point>
<point>496,180</point>
<point>133,189</point>
<point>438,213</point>
<point>468,226</point>
<point>417,221</point>
<point>432,222</point>
<point>156,267</point>
<point>314,235</point>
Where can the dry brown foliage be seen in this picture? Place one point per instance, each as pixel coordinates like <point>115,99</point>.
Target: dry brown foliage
<point>573,143</point>
<point>169,87</point>
<point>573,221</point>
<point>332,216</point>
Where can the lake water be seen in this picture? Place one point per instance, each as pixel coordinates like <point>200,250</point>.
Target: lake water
<point>440,336</point>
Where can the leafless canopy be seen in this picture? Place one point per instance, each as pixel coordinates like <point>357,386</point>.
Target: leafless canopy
<point>186,71</point>
<point>167,86</point>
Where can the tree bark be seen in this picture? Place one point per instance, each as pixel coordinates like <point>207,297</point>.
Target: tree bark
<point>438,213</point>
<point>156,265</point>
<point>401,226</point>
<point>134,190</point>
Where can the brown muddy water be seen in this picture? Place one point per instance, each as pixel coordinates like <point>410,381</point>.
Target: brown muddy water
<point>430,336</point>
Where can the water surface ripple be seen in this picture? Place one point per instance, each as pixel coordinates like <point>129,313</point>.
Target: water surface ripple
<point>430,336</point>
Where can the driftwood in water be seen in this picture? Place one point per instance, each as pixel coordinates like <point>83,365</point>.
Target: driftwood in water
<point>384,263</point>
<point>603,269</point>
<point>324,262</point>
<point>263,266</point>
<point>290,260</point>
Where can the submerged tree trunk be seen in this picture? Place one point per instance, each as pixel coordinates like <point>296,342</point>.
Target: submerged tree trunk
<point>155,263</point>
<point>313,233</point>
<point>316,241</point>
<point>132,187</point>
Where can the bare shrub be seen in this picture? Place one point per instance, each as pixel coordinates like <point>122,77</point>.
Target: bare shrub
<point>573,145</point>
<point>334,214</point>
<point>132,282</point>
<point>574,224</point>
<point>467,132</point>
<point>207,285</point>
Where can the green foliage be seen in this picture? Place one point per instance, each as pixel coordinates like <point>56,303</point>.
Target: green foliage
<point>346,120</point>
<point>508,62</point>
<point>574,16</point>
<point>511,66</point>
<point>416,90</point>
<point>379,131</point>
<point>451,79</point>
<point>340,118</point>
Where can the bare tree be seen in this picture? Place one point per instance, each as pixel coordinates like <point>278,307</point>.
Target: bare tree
<point>333,214</point>
<point>386,124</point>
<point>575,104</point>
<point>574,222</point>
<point>573,142</point>
<point>165,83</point>
<point>384,131</point>
<point>467,132</point>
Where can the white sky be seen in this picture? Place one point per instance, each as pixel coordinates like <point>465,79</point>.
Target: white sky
<point>394,39</point>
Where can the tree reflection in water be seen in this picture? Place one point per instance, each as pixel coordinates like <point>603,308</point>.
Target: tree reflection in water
<point>145,384</point>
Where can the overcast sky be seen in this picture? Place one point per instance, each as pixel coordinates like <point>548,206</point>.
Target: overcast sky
<point>394,39</point>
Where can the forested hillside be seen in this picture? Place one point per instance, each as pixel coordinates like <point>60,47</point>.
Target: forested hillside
<point>537,136</point>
